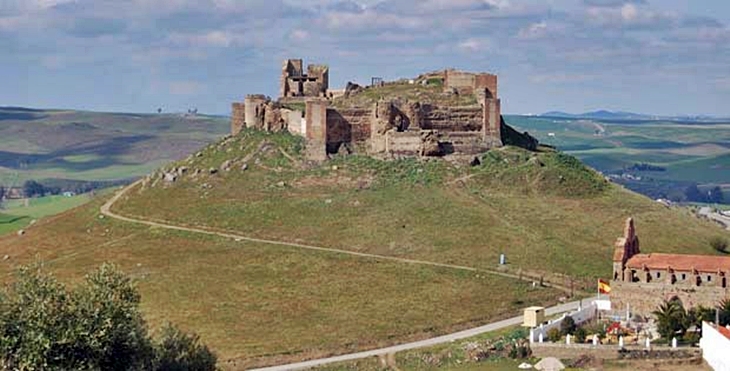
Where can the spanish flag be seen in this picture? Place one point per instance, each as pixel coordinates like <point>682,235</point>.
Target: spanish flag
<point>603,287</point>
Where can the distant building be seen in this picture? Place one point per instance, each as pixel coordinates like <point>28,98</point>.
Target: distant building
<point>644,281</point>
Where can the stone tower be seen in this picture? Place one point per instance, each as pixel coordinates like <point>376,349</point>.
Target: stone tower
<point>625,247</point>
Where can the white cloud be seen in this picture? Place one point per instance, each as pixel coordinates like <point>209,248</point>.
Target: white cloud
<point>216,38</point>
<point>185,88</point>
<point>474,45</point>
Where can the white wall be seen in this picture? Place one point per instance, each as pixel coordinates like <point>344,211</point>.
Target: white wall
<point>579,316</point>
<point>715,348</point>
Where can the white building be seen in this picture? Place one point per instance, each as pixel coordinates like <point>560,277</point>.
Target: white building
<point>715,345</point>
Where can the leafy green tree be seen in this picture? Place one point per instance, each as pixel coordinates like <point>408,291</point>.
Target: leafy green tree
<point>179,351</point>
<point>724,312</point>
<point>567,326</point>
<point>719,244</point>
<point>97,326</point>
<point>671,318</point>
<point>580,335</point>
<point>31,188</point>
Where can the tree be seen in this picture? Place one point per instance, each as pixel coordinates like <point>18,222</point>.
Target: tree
<point>580,335</point>
<point>31,188</point>
<point>693,194</point>
<point>724,312</point>
<point>179,351</point>
<point>719,244</point>
<point>567,326</point>
<point>96,326</point>
<point>671,318</point>
<point>715,196</point>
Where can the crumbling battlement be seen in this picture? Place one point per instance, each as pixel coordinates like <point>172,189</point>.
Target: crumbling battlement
<point>386,128</point>
<point>296,83</point>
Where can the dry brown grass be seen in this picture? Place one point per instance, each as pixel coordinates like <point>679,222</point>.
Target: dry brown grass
<point>258,304</point>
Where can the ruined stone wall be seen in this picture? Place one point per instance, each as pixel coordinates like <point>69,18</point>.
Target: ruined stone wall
<point>404,144</point>
<point>463,82</point>
<point>646,297</point>
<point>348,125</point>
<point>316,129</point>
<point>492,122</point>
<point>238,117</point>
<point>446,119</point>
<point>468,143</point>
<point>488,82</point>
<point>255,110</point>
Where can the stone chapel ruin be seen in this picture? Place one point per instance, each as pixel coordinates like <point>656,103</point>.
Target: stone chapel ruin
<point>391,127</point>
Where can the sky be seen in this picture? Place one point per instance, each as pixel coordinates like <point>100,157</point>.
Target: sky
<point>664,57</point>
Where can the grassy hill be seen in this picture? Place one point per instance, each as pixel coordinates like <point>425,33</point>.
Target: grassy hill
<point>54,145</point>
<point>688,152</point>
<point>258,303</point>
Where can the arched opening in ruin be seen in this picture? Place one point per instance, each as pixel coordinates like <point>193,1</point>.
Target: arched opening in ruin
<point>698,280</point>
<point>673,279</point>
<point>634,278</point>
<point>648,276</point>
<point>615,275</point>
<point>723,282</point>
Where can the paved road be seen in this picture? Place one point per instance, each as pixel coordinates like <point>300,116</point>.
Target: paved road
<point>418,344</point>
<point>724,220</point>
<point>106,210</point>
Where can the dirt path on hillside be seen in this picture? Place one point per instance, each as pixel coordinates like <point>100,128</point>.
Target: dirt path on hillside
<point>106,210</point>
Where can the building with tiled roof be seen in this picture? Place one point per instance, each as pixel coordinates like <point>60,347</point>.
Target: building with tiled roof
<point>642,282</point>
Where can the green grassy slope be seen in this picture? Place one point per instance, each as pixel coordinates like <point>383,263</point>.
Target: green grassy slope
<point>56,144</point>
<point>259,304</point>
<point>545,211</point>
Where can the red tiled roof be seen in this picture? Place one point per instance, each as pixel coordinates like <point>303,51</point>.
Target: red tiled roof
<point>724,331</point>
<point>679,262</point>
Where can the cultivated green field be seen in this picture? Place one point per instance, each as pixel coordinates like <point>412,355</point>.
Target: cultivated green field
<point>46,145</point>
<point>17,214</point>
<point>689,152</point>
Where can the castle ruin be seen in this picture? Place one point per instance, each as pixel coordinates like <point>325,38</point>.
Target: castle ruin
<point>643,282</point>
<point>388,128</point>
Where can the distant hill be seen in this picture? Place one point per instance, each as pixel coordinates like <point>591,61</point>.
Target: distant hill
<point>65,147</point>
<point>622,115</point>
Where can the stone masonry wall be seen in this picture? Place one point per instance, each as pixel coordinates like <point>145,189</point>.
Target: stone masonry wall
<point>316,129</point>
<point>646,297</point>
<point>238,117</point>
<point>447,119</point>
<point>351,125</point>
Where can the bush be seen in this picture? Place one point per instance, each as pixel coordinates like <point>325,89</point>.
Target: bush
<point>554,335</point>
<point>719,244</point>
<point>179,351</point>
<point>580,335</point>
<point>567,326</point>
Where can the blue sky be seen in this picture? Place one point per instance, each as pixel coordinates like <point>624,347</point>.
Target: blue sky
<point>652,56</point>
